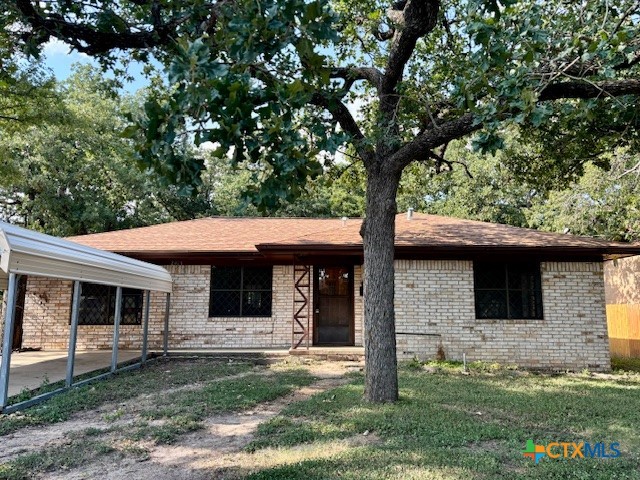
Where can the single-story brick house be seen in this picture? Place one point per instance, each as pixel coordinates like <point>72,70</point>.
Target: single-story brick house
<point>492,292</point>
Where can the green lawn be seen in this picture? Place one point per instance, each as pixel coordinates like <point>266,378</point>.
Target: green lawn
<point>447,424</point>
<point>453,426</point>
<point>156,376</point>
<point>167,399</point>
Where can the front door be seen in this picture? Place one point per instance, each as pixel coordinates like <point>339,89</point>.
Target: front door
<point>333,306</point>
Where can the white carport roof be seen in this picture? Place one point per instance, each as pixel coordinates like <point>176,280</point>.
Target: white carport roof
<point>26,252</point>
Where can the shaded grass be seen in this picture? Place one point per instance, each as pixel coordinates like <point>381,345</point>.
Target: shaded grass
<point>182,412</point>
<point>175,413</point>
<point>62,457</point>
<point>165,433</point>
<point>153,377</point>
<point>229,395</point>
<point>449,425</point>
<point>625,364</point>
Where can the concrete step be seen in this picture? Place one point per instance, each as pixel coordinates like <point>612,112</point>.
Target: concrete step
<point>352,354</point>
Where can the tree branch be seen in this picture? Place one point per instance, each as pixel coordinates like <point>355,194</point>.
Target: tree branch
<point>371,74</point>
<point>423,145</point>
<point>418,17</point>
<point>414,19</point>
<point>425,142</point>
<point>88,40</point>
<point>341,114</point>
<point>440,161</point>
<point>584,90</point>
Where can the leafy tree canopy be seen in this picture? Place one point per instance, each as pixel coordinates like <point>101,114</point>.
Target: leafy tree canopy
<point>73,175</point>
<point>267,81</point>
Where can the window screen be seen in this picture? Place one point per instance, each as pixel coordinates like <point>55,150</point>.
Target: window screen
<point>240,292</point>
<point>507,290</point>
<point>98,305</point>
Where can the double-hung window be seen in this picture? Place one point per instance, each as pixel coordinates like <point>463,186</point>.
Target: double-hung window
<point>240,292</point>
<point>507,290</point>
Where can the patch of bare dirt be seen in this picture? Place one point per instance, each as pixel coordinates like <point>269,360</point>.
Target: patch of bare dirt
<point>198,455</point>
<point>44,436</point>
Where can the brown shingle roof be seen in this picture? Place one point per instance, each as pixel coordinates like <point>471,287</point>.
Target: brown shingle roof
<point>250,235</point>
<point>213,234</point>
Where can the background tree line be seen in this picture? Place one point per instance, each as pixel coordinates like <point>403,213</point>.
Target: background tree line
<point>73,172</point>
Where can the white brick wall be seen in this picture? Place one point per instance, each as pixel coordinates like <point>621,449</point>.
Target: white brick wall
<point>48,306</point>
<point>358,305</point>
<point>190,326</point>
<point>435,305</point>
<point>47,315</point>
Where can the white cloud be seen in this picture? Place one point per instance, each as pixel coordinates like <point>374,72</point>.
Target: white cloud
<point>355,106</point>
<point>58,47</point>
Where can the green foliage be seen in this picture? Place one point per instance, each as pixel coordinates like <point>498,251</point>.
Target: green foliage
<point>256,79</point>
<point>602,203</point>
<point>27,94</point>
<point>244,89</point>
<point>74,175</point>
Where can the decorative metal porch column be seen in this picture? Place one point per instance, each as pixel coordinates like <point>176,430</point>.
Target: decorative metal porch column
<point>300,326</point>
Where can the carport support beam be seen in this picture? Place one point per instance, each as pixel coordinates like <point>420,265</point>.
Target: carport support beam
<point>116,330</point>
<point>165,340</point>
<point>7,340</point>
<point>73,334</point>
<point>145,326</point>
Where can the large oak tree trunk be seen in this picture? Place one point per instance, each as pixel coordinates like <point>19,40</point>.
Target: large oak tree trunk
<point>381,375</point>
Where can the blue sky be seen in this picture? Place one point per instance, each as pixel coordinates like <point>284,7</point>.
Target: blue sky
<point>59,58</point>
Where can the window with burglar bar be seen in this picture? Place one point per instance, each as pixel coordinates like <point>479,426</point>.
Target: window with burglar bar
<point>98,305</point>
<point>240,292</point>
<point>507,290</point>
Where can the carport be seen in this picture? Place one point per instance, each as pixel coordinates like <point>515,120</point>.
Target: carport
<point>25,252</point>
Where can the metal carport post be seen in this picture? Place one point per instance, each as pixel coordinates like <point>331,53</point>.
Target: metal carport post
<point>165,339</point>
<point>145,325</point>
<point>116,330</point>
<point>73,332</point>
<point>7,340</point>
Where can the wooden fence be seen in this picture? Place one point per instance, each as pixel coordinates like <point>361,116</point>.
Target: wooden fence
<point>623,322</point>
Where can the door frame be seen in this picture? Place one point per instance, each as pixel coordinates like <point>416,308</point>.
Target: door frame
<point>351,296</point>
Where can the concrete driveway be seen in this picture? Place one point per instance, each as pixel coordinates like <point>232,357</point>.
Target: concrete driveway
<point>30,369</point>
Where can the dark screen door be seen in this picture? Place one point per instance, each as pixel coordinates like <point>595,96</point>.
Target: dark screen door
<point>334,306</point>
<point>16,343</point>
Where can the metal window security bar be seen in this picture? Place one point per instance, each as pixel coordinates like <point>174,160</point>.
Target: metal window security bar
<point>97,305</point>
<point>23,252</point>
<point>241,292</point>
<point>508,290</point>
